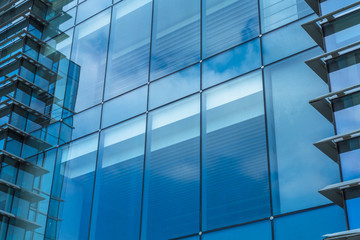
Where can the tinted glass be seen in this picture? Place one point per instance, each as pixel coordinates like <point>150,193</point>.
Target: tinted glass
<point>227,23</point>
<point>235,172</point>
<point>172,179</point>
<point>353,210</point>
<point>124,107</point>
<point>118,184</point>
<point>350,164</point>
<point>175,86</point>
<point>89,52</point>
<point>129,53</point>
<point>286,41</point>
<point>293,126</point>
<point>176,36</point>
<point>231,63</point>
<point>91,7</point>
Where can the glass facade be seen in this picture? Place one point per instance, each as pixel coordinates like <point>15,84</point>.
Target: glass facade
<point>175,119</point>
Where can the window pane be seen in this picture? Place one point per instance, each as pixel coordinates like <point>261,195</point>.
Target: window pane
<point>347,112</point>
<point>172,184</point>
<point>228,23</point>
<point>350,164</point>
<point>353,210</point>
<point>286,41</point>
<point>117,203</point>
<point>174,86</point>
<point>231,63</point>
<point>293,126</point>
<point>235,166</point>
<point>310,225</point>
<point>176,36</point>
<point>342,32</point>
<point>124,107</point>
<point>276,13</point>
<point>128,63</point>
<point>74,181</point>
<point>328,6</point>
<point>89,52</point>
<point>91,7</point>
<point>259,230</point>
<point>344,71</point>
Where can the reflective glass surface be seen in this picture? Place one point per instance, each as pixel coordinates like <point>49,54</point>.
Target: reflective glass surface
<point>350,164</point>
<point>73,184</point>
<point>231,63</point>
<point>276,13</point>
<point>172,167</point>
<point>259,230</point>
<point>328,6</point>
<point>347,112</point>
<point>353,210</point>
<point>129,48</point>
<point>176,36</point>
<point>286,41</point>
<point>342,31</point>
<point>124,107</point>
<point>174,86</point>
<point>292,132</point>
<point>310,225</point>
<point>344,71</point>
<point>228,23</point>
<point>118,186</point>
<point>89,52</point>
<point>90,7</point>
<point>234,169</point>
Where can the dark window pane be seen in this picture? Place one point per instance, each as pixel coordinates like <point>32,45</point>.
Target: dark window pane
<point>172,173</point>
<point>235,172</point>
<point>176,36</point>
<point>228,23</point>
<point>128,62</point>
<point>117,202</point>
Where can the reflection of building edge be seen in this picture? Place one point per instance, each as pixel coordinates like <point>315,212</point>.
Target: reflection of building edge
<point>31,106</point>
<point>332,146</point>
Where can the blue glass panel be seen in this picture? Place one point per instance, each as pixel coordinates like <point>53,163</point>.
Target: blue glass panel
<point>175,86</point>
<point>350,164</point>
<point>276,13</point>
<point>310,225</point>
<point>128,61</point>
<point>235,166</point>
<point>293,126</point>
<point>172,172</point>
<point>89,52</point>
<point>231,63</point>
<point>191,238</point>
<point>86,122</point>
<point>353,211</point>
<point>328,6</point>
<point>228,23</point>
<point>91,7</point>
<point>124,107</point>
<point>118,187</point>
<point>286,41</point>
<point>347,112</point>
<point>176,36</point>
<point>344,71</point>
<point>259,230</point>
<point>342,32</point>
<point>74,181</point>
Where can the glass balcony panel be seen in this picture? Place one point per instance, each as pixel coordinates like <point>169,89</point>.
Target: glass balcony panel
<point>328,6</point>
<point>350,164</point>
<point>347,112</point>
<point>353,211</point>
